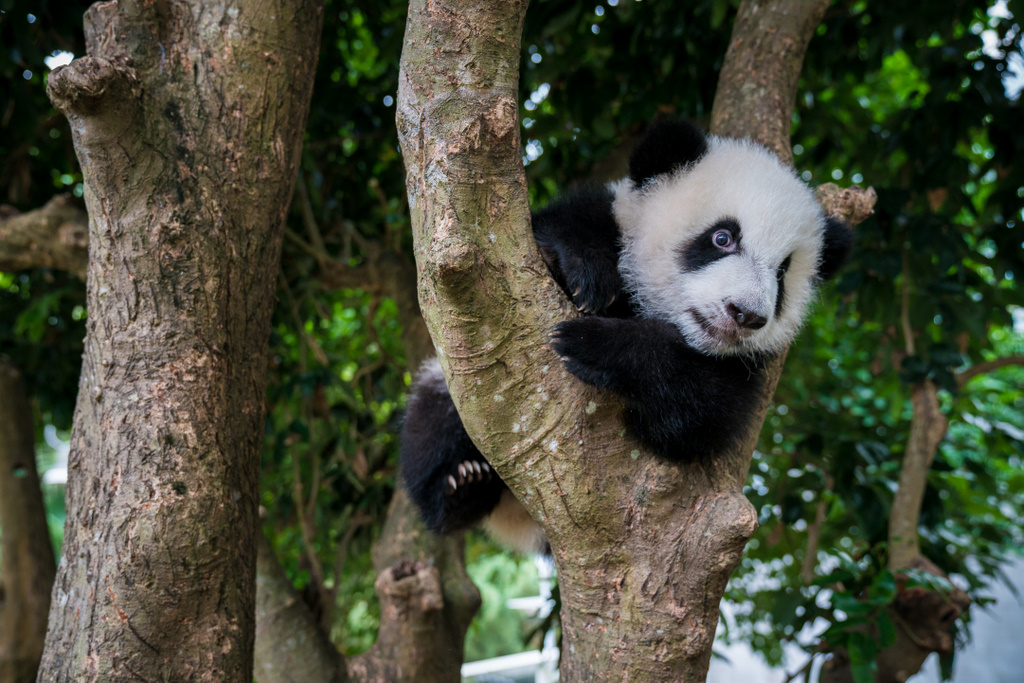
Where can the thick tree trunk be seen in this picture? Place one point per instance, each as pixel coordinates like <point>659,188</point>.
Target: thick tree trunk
<point>643,549</point>
<point>187,119</point>
<point>27,566</point>
<point>757,86</point>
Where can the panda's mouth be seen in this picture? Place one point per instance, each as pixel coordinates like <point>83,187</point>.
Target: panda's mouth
<point>728,335</point>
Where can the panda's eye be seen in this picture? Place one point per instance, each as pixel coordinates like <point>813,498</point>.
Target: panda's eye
<point>723,239</point>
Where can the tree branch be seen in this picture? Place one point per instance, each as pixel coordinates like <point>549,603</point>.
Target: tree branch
<point>757,86</point>
<point>54,236</point>
<point>657,542</point>
<point>985,367</point>
<point>852,204</point>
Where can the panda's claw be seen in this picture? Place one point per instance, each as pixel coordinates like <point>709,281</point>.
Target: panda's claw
<point>476,468</point>
<point>462,473</point>
<point>452,486</point>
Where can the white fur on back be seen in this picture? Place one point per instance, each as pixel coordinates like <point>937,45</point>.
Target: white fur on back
<point>778,217</point>
<point>511,526</point>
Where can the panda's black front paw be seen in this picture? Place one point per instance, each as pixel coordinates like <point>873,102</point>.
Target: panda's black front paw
<point>593,283</point>
<point>467,472</point>
<point>589,346</point>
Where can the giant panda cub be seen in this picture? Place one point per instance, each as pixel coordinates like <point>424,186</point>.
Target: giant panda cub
<point>691,273</point>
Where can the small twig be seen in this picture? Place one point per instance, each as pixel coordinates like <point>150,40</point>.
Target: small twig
<point>341,556</point>
<point>306,246</point>
<point>804,671</point>
<point>314,458</point>
<point>300,328</point>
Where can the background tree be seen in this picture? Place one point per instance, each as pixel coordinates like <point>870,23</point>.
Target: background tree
<point>899,96</point>
<point>157,570</point>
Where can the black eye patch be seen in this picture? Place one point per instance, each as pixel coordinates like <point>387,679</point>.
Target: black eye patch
<point>780,277</point>
<point>702,250</point>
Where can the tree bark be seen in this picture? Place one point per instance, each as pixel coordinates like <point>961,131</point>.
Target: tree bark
<point>643,549</point>
<point>927,429</point>
<point>27,566</point>
<point>187,119</point>
<point>757,86</point>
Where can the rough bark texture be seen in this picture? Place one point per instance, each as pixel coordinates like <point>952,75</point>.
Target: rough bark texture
<point>187,119</point>
<point>757,86</point>
<point>54,236</point>
<point>427,602</point>
<point>643,549</point>
<point>27,565</point>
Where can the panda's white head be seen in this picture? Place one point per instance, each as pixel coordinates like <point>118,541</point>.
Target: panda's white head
<point>722,240</point>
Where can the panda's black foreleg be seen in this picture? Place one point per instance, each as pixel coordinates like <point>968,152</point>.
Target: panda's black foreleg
<point>445,474</point>
<point>681,403</point>
<point>579,240</point>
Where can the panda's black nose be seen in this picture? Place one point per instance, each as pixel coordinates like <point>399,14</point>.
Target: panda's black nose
<point>746,318</point>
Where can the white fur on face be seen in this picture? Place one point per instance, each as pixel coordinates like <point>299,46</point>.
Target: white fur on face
<point>778,218</point>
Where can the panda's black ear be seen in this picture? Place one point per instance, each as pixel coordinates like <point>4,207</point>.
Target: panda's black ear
<point>838,242</point>
<point>668,145</point>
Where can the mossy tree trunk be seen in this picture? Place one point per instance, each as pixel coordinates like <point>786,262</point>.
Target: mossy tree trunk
<point>187,119</point>
<point>643,549</point>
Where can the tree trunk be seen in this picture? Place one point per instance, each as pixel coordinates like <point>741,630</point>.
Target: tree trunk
<point>187,120</point>
<point>643,549</point>
<point>27,566</point>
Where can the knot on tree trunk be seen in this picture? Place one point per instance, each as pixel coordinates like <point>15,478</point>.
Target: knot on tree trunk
<point>86,85</point>
<point>410,587</point>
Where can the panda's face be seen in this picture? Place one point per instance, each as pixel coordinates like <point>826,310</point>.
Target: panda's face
<point>726,249</point>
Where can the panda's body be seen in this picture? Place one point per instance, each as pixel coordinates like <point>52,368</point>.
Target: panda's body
<point>691,273</point>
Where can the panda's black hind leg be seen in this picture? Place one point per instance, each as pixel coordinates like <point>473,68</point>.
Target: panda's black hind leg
<point>446,476</point>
